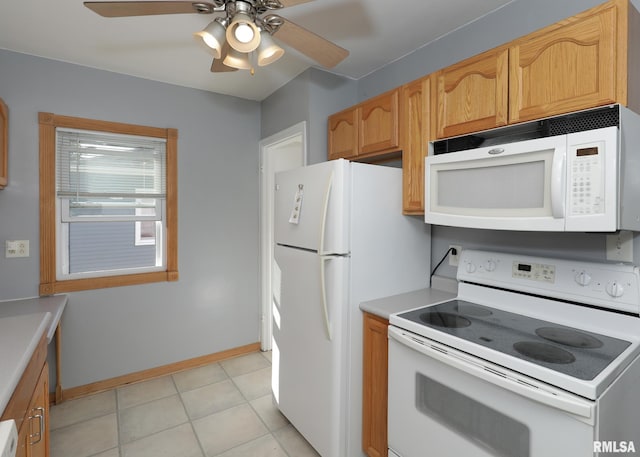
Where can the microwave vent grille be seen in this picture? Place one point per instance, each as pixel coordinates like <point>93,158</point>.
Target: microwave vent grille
<point>598,118</point>
<point>585,120</point>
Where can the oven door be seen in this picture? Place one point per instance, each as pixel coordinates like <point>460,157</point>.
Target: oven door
<point>446,403</point>
<point>515,186</point>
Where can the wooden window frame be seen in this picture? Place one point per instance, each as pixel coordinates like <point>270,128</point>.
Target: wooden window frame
<point>49,285</point>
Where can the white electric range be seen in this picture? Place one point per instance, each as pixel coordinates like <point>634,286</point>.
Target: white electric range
<point>535,357</point>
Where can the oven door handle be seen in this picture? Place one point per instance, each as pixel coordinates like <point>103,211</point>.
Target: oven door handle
<point>562,401</point>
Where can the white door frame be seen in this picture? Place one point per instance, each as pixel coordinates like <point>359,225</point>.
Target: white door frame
<point>269,148</point>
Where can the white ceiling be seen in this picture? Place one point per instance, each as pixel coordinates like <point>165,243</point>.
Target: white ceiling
<point>162,48</point>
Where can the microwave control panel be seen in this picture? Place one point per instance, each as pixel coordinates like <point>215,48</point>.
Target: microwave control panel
<point>586,178</point>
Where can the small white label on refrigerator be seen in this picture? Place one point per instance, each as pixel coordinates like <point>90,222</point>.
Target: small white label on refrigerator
<point>297,205</point>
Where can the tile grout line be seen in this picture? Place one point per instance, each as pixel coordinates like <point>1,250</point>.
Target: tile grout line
<point>193,429</point>
<point>248,402</point>
<point>275,437</point>
<point>120,447</point>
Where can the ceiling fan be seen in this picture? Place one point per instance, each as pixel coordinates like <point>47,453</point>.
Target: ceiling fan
<point>240,36</point>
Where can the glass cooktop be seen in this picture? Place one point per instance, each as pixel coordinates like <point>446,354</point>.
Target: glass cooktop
<point>573,352</point>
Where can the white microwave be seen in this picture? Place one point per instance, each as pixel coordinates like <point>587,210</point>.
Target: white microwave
<point>581,181</point>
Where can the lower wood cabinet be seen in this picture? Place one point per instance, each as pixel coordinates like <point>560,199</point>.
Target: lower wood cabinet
<point>374,389</point>
<point>29,406</point>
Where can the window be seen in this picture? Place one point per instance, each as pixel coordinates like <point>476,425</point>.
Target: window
<point>107,204</point>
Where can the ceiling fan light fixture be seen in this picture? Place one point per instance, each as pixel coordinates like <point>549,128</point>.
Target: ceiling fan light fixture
<point>237,60</point>
<point>242,34</point>
<point>214,36</point>
<point>268,50</point>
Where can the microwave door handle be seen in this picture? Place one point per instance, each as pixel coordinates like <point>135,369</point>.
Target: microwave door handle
<point>558,182</point>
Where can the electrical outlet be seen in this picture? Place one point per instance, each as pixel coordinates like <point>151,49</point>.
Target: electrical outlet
<point>620,246</point>
<point>16,248</point>
<point>454,258</point>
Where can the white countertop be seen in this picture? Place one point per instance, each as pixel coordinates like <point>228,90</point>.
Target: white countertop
<point>19,337</point>
<point>22,323</point>
<point>441,289</point>
<point>53,304</point>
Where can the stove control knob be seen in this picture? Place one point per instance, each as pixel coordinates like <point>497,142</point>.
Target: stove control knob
<point>470,267</point>
<point>615,289</point>
<point>490,265</point>
<point>583,278</point>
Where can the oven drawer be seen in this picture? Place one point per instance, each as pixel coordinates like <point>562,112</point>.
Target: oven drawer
<point>439,406</point>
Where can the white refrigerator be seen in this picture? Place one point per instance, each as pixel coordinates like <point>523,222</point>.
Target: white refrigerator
<point>340,239</point>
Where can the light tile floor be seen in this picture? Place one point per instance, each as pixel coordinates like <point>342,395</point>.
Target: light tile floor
<point>224,410</point>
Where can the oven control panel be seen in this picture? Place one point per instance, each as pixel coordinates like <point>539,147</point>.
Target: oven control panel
<point>534,271</point>
<point>612,286</point>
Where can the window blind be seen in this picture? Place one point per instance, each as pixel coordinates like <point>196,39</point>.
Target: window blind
<point>94,165</point>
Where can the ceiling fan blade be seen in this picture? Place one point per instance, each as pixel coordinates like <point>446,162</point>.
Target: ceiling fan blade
<point>319,49</point>
<point>217,66</point>
<point>148,8</point>
<point>286,3</point>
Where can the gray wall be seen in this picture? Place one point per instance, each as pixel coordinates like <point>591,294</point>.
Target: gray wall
<point>214,306</point>
<point>503,25</point>
<point>312,96</point>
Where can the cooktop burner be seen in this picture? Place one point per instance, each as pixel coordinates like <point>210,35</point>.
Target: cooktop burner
<point>471,309</point>
<point>569,337</point>
<point>577,353</point>
<point>447,320</point>
<point>543,352</point>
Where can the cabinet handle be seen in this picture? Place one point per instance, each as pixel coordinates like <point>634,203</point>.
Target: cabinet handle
<point>40,417</point>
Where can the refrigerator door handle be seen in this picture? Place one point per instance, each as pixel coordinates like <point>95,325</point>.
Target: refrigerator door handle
<point>323,289</point>
<point>323,219</point>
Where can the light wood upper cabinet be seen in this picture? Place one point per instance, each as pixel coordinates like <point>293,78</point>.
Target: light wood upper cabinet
<point>472,94</point>
<point>574,64</point>
<point>578,63</point>
<point>365,130</point>
<point>415,122</point>
<point>374,390</point>
<point>378,124</point>
<point>343,134</point>
<point>4,143</point>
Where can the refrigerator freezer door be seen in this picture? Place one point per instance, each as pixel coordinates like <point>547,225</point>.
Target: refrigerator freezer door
<point>307,366</point>
<point>311,207</point>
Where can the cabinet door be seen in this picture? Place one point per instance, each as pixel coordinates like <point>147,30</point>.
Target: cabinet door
<point>378,124</point>
<point>566,67</point>
<point>343,134</point>
<point>374,389</point>
<point>472,94</point>
<point>23,441</point>
<point>4,142</point>
<point>38,423</point>
<point>415,122</point>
